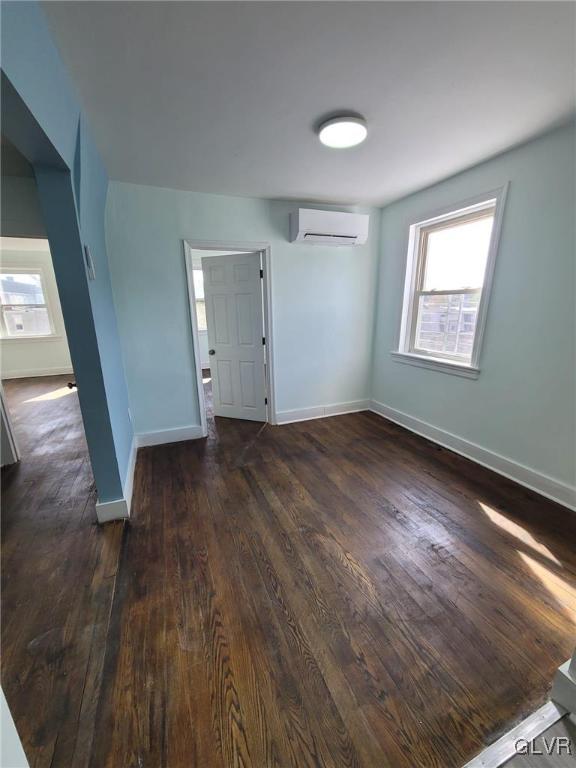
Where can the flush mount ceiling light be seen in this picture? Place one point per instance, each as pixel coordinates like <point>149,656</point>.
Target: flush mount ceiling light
<point>343,131</point>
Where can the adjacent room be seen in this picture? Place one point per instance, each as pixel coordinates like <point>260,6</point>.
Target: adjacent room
<point>288,354</point>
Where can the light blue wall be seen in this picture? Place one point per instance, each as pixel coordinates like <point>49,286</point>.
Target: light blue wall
<point>523,404</point>
<point>323,301</point>
<point>42,118</point>
<point>33,65</point>
<point>93,193</point>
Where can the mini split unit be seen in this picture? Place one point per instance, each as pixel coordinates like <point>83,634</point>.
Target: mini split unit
<point>328,227</point>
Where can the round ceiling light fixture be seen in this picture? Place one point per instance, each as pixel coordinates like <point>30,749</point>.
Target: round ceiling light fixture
<point>343,131</point>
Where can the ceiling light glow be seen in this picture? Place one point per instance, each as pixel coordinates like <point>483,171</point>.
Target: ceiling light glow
<point>343,132</point>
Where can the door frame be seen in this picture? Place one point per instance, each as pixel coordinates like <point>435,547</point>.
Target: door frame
<point>241,247</point>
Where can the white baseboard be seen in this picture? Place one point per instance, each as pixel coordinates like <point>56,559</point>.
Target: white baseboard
<point>321,411</point>
<point>30,373</point>
<point>112,510</point>
<point>119,509</point>
<point>175,435</point>
<point>299,414</point>
<point>530,478</point>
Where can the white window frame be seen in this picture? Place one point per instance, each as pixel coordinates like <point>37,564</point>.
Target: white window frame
<point>200,330</point>
<point>38,270</point>
<point>448,364</point>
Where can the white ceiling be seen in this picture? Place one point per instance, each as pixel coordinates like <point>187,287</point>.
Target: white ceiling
<point>223,97</point>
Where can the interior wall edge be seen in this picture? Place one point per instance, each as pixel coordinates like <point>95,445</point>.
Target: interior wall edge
<point>128,484</point>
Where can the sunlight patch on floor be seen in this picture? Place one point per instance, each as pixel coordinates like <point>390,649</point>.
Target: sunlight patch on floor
<point>56,394</point>
<point>561,590</point>
<point>518,532</point>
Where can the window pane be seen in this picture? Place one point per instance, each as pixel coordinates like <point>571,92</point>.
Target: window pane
<point>27,322</point>
<point>21,289</point>
<point>446,324</point>
<point>198,277</point>
<point>201,315</point>
<point>456,256</point>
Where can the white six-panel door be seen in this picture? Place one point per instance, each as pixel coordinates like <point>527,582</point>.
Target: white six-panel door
<point>233,296</point>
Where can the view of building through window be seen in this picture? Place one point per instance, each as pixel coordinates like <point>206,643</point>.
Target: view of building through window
<point>447,322</point>
<point>24,310</point>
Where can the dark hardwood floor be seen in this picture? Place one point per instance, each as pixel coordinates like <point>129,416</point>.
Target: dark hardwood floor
<point>335,593</point>
<point>58,572</point>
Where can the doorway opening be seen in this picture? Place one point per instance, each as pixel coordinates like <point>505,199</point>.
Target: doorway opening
<point>40,409</point>
<point>35,365</point>
<point>42,426</point>
<point>230,309</point>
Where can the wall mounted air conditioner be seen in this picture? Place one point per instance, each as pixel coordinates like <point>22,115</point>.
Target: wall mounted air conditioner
<point>328,227</point>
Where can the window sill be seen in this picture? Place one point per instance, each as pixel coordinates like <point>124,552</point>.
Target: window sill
<point>437,364</point>
<point>51,337</point>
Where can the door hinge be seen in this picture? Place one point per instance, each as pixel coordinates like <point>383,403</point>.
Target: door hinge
<point>265,401</point>
<point>262,273</point>
<point>263,339</point>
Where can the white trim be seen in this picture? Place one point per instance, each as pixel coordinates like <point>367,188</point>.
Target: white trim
<point>501,196</point>
<point>436,364</point>
<point>471,205</point>
<point>505,748</point>
<point>112,510</point>
<point>322,411</point>
<point>46,337</point>
<point>269,333</point>
<point>30,373</point>
<point>530,478</point>
<point>195,338</point>
<point>174,435</point>
<point>239,247</point>
<point>129,479</point>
